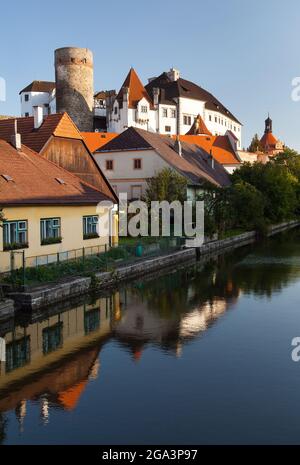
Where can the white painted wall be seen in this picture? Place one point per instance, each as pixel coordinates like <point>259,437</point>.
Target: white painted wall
<point>37,99</point>
<point>123,177</point>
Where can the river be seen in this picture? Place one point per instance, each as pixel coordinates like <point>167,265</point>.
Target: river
<point>201,355</point>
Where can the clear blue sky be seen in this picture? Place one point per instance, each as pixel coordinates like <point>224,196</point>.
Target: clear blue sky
<point>246,52</point>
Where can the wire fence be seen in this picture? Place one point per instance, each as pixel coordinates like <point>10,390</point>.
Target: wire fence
<point>84,261</point>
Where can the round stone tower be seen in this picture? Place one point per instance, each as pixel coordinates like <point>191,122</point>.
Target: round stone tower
<point>74,76</point>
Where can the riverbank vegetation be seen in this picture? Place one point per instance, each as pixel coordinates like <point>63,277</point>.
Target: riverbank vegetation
<point>260,195</point>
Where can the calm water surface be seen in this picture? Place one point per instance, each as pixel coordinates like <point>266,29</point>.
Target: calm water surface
<point>201,355</point>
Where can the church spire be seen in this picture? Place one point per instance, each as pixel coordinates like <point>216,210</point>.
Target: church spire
<point>268,125</point>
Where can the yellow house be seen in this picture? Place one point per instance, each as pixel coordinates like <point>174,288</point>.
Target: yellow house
<point>49,213</point>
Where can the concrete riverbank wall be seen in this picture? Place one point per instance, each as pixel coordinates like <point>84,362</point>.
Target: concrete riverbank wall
<point>49,294</point>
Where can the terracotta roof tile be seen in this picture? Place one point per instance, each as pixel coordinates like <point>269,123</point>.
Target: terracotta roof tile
<point>58,124</point>
<point>219,146</point>
<point>268,140</point>
<point>199,128</point>
<point>95,140</point>
<point>136,90</point>
<point>194,163</point>
<point>39,86</point>
<point>34,181</point>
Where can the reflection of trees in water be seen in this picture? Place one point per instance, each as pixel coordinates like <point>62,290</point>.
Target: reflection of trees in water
<point>225,276</point>
<point>259,276</point>
<point>3,425</point>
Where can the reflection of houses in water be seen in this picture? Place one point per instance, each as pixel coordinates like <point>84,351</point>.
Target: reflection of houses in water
<point>141,324</point>
<point>50,361</point>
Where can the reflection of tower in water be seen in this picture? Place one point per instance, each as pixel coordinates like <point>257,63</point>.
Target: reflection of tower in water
<point>20,414</point>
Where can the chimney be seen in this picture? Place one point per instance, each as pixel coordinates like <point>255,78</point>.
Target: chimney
<point>16,138</point>
<point>38,116</point>
<point>173,74</point>
<point>155,96</point>
<point>178,146</point>
<point>125,94</point>
<point>211,160</point>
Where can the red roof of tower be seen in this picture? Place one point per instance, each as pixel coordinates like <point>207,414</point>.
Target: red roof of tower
<point>198,127</point>
<point>136,90</point>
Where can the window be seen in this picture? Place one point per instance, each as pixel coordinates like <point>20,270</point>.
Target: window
<point>144,109</point>
<point>173,113</point>
<point>165,112</point>
<point>116,110</point>
<point>234,128</point>
<point>26,97</point>
<point>137,164</point>
<point>91,320</point>
<point>17,353</point>
<point>90,227</point>
<point>136,192</point>
<point>50,231</point>
<point>187,120</point>
<point>216,119</point>
<point>15,235</point>
<point>167,128</point>
<point>52,337</point>
<point>26,113</point>
<point>209,117</point>
<point>109,165</point>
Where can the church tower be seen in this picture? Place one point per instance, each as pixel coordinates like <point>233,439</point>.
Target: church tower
<point>268,125</point>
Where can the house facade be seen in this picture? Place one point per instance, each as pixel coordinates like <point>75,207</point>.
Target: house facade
<point>38,93</point>
<point>136,155</point>
<point>47,210</point>
<point>168,104</point>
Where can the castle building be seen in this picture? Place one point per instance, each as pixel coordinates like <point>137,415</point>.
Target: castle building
<point>270,145</point>
<point>168,104</point>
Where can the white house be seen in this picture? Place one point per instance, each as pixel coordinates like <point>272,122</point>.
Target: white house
<point>169,104</point>
<point>38,94</point>
<point>134,156</point>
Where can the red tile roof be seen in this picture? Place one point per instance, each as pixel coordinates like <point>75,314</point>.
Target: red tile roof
<point>194,164</point>
<point>268,141</point>
<point>136,90</point>
<point>219,146</point>
<point>39,86</point>
<point>34,181</point>
<point>198,128</point>
<point>58,124</point>
<point>95,140</point>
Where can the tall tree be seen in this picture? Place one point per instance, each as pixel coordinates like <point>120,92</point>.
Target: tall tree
<point>255,145</point>
<point>166,185</point>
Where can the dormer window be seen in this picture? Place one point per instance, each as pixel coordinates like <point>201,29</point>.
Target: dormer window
<point>144,109</point>
<point>7,177</point>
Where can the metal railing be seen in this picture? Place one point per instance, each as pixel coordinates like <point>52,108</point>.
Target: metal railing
<point>78,262</point>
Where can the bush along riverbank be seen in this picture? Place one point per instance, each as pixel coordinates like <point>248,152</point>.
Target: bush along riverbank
<point>51,293</point>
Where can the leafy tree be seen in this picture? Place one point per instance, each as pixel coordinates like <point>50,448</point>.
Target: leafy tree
<point>247,206</point>
<point>166,185</point>
<point>277,185</point>
<point>255,145</point>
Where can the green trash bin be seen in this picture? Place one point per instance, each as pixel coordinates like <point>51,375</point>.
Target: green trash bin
<point>139,250</point>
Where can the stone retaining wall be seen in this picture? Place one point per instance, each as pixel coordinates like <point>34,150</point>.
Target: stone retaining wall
<point>46,295</point>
